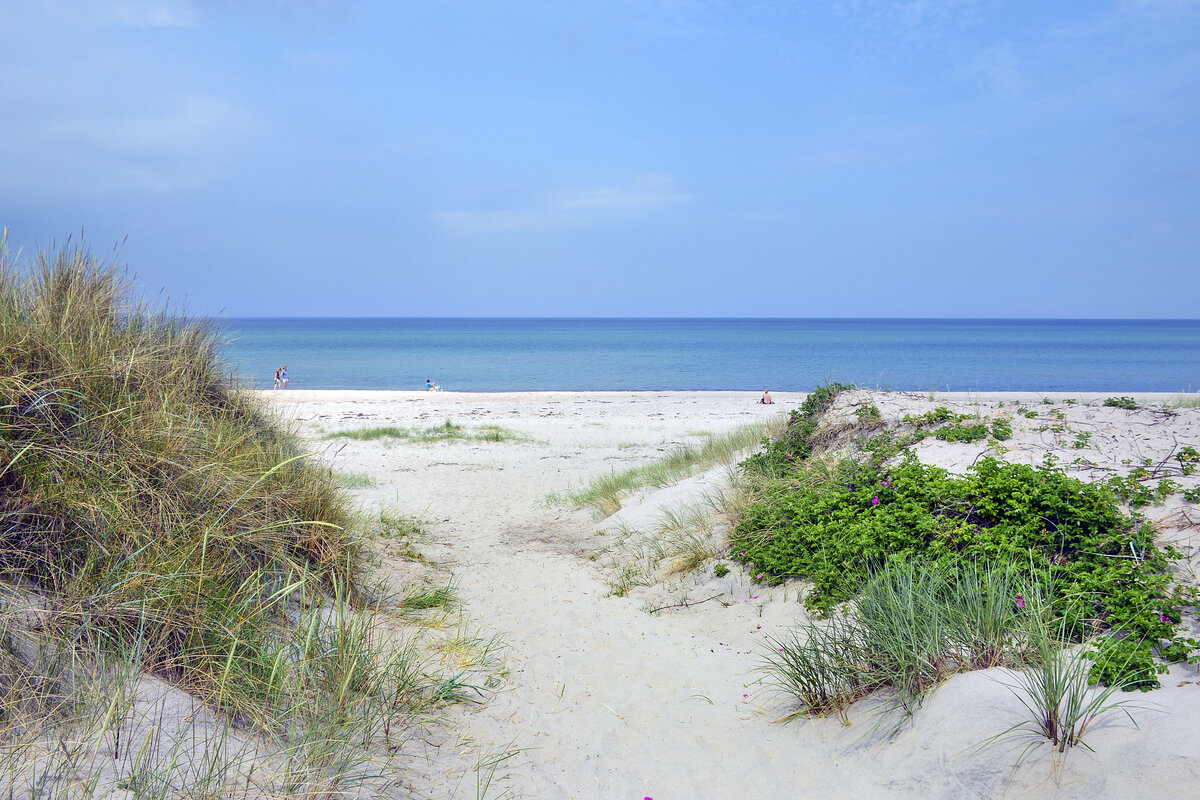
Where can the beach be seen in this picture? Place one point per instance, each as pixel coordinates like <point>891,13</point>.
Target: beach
<point>627,680</point>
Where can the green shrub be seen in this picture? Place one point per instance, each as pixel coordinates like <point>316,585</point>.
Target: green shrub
<point>1001,429</point>
<point>1127,403</point>
<point>868,414</point>
<point>779,456</point>
<point>962,432</point>
<point>1102,566</point>
<point>1188,458</point>
<point>931,418</point>
<point>1124,662</point>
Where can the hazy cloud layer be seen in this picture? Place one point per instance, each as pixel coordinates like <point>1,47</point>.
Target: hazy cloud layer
<point>598,205</point>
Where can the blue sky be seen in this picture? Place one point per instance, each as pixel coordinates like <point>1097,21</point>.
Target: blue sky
<point>646,158</point>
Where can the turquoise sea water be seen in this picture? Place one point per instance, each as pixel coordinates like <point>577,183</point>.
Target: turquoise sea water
<point>487,355</point>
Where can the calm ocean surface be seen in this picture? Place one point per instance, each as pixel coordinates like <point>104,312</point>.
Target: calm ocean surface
<point>491,355</point>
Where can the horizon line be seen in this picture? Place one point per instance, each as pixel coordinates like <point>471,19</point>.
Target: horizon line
<point>218,318</point>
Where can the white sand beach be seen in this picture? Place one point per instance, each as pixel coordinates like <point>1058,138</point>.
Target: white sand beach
<point>603,697</point>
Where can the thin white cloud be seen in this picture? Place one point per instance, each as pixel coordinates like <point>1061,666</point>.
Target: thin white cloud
<point>1000,69</point>
<point>644,192</point>
<point>183,145</point>
<point>154,13</point>
<point>194,126</point>
<point>572,208</point>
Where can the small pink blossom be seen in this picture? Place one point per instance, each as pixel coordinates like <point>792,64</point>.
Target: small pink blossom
<point>874,501</point>
<point>1020,601</point>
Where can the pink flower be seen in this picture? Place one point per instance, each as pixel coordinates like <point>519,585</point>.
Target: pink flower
<point>1163,617</point>
<point>874,501</point>
<point>1020,601</point>
<point>885,484</point>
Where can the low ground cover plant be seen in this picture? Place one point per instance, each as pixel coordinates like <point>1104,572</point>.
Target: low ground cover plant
<point>835,528</point>
<point>1127,403</point>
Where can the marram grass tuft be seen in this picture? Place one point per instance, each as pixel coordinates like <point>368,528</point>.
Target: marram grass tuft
<point>140,491</point>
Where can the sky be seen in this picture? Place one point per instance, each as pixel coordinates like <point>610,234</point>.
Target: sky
<point>614,158</point>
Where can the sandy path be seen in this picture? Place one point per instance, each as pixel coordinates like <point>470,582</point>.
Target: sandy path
<point>605,700</point>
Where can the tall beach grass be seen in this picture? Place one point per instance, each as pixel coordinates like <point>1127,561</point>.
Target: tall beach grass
<point>155,521</point>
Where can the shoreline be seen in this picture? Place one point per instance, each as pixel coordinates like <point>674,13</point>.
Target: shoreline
<point>781,398</point>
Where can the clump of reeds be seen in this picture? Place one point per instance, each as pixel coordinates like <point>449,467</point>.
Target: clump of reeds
<point>914,625</point>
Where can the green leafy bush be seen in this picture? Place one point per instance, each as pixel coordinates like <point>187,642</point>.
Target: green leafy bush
<point>780,455</point>
<point>1001,429</point>
<point>1127,403</point>
<point>1103,568</point>
<point>962,432</point>
<point>931,418</point>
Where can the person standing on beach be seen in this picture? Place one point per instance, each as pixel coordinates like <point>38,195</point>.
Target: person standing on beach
<point>276,386</point>
<point>283,375</point>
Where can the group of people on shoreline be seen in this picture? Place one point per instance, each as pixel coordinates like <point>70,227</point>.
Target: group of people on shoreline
<point>281,378</point>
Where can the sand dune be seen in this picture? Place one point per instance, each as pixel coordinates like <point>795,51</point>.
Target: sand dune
<point>603,699</point>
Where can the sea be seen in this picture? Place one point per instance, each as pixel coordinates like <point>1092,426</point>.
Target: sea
<point>500,355</point>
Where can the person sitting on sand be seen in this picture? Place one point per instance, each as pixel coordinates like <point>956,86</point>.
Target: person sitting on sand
<point>428,385</point>
<point>766,399</point>
<point>283,375</point>
<point>276,386</point>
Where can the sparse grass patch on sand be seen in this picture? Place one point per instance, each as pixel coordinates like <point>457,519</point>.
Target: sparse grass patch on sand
<point>606,492</point>
<point>1059,699</point>
<point>446,432</point>
<point>356,480</point>
<point>1186,400</point>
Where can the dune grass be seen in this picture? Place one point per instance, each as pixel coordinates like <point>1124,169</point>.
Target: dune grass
<point>446,432</point>
<point>1186,400</point>
<point>157,522</point>
<point>914,625</point>
<point>606,492</point>
<point>356,480</point>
